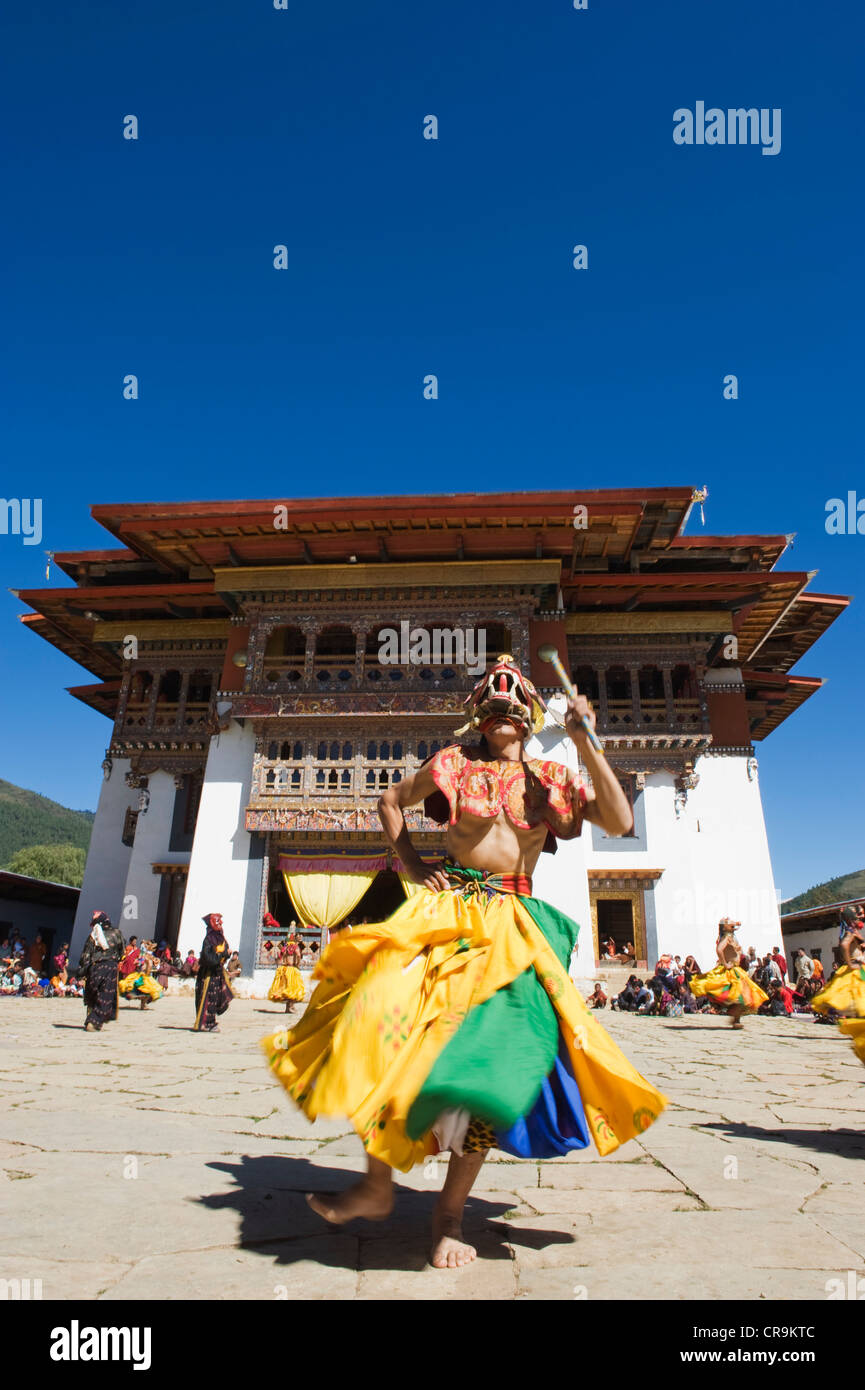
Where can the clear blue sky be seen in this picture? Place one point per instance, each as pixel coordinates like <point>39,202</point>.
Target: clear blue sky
<point>408,256</point>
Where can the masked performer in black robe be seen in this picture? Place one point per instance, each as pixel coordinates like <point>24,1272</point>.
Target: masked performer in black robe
<point>213,993</point>
<point>99,963</point>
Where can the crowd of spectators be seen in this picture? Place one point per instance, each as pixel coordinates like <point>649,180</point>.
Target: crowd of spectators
<point>667,991</point>
<point>26,970</point>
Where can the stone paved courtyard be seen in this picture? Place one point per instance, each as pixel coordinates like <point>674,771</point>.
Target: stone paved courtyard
<point>749,1186</point>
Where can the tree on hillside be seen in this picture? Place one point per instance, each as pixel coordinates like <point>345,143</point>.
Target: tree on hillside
<point>59,863</point>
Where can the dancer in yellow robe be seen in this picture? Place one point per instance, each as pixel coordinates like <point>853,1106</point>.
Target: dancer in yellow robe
<point>140,985</point>
<point>454,1024</point>
<point>288,985</point>
<point>845,992</point>
<point>728,985</point>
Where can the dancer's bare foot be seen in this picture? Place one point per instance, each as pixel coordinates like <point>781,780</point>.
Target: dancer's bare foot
<point>449,1250</point>
<point>373,1202</point>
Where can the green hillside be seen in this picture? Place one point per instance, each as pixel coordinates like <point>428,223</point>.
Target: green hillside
<point>26,819</point>
<point>834,890</point>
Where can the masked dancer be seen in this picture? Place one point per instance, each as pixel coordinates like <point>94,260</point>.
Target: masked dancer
<point>728,986</point>
<point>845,992</point>
<point>139,983</point>
<point>98,967</point>
<point>288,985</point>
<point>213,993</point>
<point>454,1024</point>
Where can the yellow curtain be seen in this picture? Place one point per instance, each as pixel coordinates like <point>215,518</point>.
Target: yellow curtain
<point>409,888</point>
<point>323,900</point>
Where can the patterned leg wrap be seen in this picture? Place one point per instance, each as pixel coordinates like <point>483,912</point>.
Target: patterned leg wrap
<point>479,1137</point>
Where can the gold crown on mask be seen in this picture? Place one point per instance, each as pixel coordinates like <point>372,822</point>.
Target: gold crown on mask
<point>504,692</point>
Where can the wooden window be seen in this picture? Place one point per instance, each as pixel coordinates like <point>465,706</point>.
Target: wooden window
<point>194,786</point>
<point>130,820</point>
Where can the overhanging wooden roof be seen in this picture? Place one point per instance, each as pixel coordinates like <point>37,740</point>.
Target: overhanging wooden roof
<point>72,637</point>
<point>189,536</point>
<point>746,552</point>
<point>760,599</point>
<point>798,628</point>
<point>102,697</point>
<point>182,565</point>
<point>773,696</point>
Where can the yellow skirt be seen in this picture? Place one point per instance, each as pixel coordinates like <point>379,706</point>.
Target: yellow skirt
<point>391,995</point>
<point>855,1030</point>
<point>139,986</point>
<point>729,986</point>
<point>288,986</point>
<point>845,992</point>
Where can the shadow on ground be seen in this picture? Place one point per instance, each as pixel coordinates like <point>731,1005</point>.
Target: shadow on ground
<point>848,1143</point>
<point>275,1220</point>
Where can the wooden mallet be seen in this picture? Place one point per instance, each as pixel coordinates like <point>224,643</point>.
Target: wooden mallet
<point>549,653</point>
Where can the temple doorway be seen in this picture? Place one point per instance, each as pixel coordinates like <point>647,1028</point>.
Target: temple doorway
<point>383,896</point>
<point>617,914</point>
<point>616,921</point>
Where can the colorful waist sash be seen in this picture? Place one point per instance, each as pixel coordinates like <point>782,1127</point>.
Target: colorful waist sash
<point>479,881</point>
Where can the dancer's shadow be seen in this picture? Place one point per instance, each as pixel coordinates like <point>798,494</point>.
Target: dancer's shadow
<point>847,1143</point>
<point>269,1197</point>
<point>696,1028</point>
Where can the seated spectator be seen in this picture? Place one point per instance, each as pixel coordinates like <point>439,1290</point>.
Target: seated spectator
<point>664,971</point>
<point>689,1001</point>
<point>645,1001</point>
<point>768,974</point>
<point>30,985</point>
<point>233,967</point>
<point>190,965</point>
<point>780,1001</point>
<point>597,999</point>
<point>804,968</point>
<point>626,999</point>
<point>164,967</point>
<point>61,962</point>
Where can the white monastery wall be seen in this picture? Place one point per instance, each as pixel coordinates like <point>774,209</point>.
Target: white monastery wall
<point>560,878</point>
<point>107,858</point>
<point>152,837</point>
<point>714,858</point>
<point>220,867</point>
